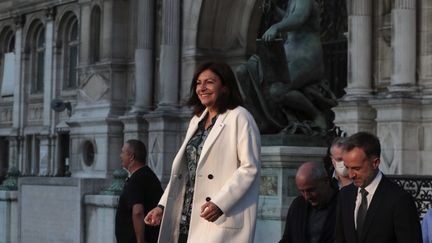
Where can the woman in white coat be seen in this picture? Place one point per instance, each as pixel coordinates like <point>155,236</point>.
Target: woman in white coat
<point>213,190</point>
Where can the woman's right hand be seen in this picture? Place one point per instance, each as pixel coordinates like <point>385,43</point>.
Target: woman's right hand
<point>154,217</point>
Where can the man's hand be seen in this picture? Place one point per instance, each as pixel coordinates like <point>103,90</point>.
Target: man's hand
<point>154,217</point>
<point>210,211</point>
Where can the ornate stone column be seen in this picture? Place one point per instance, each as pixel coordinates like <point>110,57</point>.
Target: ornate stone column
<point>85,35</point>
<point>45,151</point>
<point>48,68</point>
<point>360,48</point>
<point>353,113</point>
<point>166,125</point>
<point>170,54</point>
<point>404,42</point>
<point>106,30</point>
<point>144,64</point>
<point>425,48</point>
<point>18,101</point>
<point>16,142</point>
<point>399,115</point>
<point>135,126</point>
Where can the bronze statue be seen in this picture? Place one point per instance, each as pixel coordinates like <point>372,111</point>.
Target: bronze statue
<point>284,85</point>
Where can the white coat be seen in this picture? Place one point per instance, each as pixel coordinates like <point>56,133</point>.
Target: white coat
<point>227,172</point>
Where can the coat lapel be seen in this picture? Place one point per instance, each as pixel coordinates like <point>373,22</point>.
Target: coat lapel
<point>374,206</point>
<point>214,133</point>
<point>193,126</point>
<point>350,207</point>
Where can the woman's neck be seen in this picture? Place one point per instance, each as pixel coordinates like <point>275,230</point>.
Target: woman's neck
<point>212,113</point>
<point>210,116</point>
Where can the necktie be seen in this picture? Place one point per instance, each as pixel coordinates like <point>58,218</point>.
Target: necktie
<point>361,214</point>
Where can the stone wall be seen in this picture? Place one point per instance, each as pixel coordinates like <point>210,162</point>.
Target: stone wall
<point>100,213</point>
<point>8,216</point>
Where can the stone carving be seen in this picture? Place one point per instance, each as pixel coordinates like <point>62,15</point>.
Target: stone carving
<point>95,88</point>
<point>5,114</point>
<point>283,84</point>
<point>155,157</point>
<point>388,154</point>
<point>269,185</point>
<point>35,112</point>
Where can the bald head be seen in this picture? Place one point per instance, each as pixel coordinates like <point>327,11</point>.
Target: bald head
<point>313,183</point>
<point>311,171</point>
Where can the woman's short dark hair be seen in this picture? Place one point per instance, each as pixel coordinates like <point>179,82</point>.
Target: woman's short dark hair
<point>138,149</point>
<point>230,98</point>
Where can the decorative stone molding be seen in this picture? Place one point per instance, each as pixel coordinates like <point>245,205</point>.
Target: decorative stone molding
<point>405,4</point>
<point>360,8</point>
<point>5,115</point>
<point>19,21</point>
<point>50,13</point>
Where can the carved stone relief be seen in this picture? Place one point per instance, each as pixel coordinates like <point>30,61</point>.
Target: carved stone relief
<point>95,88</point>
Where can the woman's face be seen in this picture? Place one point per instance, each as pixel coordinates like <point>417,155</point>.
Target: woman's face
<point>208,88</point>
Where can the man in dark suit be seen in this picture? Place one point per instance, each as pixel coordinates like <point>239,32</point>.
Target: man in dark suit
<point>311,216</point>
<point>373,209</point>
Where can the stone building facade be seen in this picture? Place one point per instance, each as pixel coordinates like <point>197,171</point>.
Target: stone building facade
<point>122,67</point>
<point>80,77</point>
<point>389,80</point>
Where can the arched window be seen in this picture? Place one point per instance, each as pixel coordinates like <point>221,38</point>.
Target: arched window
<point>37,58</point>
<point>68,35</point>
<point>40,59</point>
<point>95,37</point>
<point>73,56</point>
<point>11,44</point>
<point>7,61</point>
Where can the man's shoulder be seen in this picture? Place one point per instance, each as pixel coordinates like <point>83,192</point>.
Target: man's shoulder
<point>348,189</point>
<point>393,189</point>
<point>145,173</point>
<point>298,202</point>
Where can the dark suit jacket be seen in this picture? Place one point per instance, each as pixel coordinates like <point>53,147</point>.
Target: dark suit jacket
<point>391,217</point>
<point>296,222</point>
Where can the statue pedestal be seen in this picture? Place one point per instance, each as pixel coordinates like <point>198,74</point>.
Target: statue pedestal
<point>293,140</point>
<point>278,189</point>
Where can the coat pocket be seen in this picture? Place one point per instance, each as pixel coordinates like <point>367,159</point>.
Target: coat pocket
<point>233,222</point>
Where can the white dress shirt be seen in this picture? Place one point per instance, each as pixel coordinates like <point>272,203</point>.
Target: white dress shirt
<point>371,188</point>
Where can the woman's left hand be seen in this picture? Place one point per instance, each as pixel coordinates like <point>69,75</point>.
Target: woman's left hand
<point>210,211</point>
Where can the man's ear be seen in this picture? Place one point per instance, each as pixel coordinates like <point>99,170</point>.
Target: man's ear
<point>376,162</point>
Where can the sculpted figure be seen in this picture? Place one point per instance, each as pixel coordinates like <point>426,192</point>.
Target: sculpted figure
<point>288,93</point>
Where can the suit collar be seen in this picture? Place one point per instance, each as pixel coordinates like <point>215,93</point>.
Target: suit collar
<point>373,209</point>
<point>350,193</point>
<point>371,188</point>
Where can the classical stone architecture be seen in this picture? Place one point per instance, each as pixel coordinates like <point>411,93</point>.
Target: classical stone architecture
<point>79,77</point>
<point>390,80</point>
